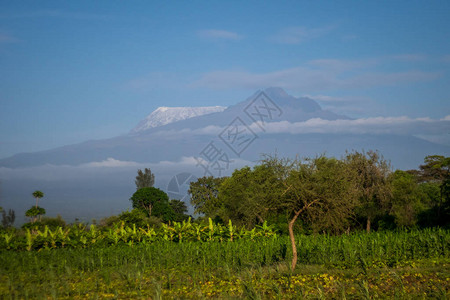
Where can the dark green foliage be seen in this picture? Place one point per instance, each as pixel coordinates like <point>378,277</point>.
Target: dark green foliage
<point>53,222</point>
<point>204,196</point>
<point>180,209</point>
<point>144,179</point>
<point>435,169</point>
<point>163,210</point>
<point>50,222</point>
<point>34,212</point>
<point>434,181</point>
<point>146,198</point>
<point>153,201</point>
<point>136,216</point>
<point>406,202</point>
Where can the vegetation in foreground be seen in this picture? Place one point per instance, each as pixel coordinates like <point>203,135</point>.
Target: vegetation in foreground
<point>155,251</point>
<point>414,264</point>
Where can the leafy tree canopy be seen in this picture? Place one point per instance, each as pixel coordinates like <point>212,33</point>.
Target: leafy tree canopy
<point>204,195</point>
<point>154,201</point>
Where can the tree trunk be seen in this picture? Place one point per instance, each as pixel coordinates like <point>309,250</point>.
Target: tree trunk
<point>259,218</point>
<point>368,225</point>
<point>292,238</point>
<point>37,199</point>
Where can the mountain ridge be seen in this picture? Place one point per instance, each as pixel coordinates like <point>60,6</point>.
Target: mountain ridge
<point>187,137</point>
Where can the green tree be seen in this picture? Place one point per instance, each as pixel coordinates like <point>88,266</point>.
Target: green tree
<point>37,195</point>
<point>372,181</point>
<point>436,168</point>
<point>34,212</point>
<point>154,201</point>
<point>436,171</point>
<point>407,198</point>
<point>320,191</point>
<point>180,209</point>
<point>248,195</point>
<point>144,179</point>
<point>204,196</point>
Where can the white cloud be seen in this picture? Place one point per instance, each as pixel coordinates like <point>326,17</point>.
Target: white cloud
<point>378,125</point>
<point>297,35</point>
<point>332,99</point>
<point>216,34</point>
<point>110,168</point>
<point>374,125</point>
<point>111,163</point>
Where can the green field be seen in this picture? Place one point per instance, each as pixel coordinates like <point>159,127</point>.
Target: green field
<point>402,264</point>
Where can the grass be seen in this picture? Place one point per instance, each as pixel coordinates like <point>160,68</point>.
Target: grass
<point>413,264</point>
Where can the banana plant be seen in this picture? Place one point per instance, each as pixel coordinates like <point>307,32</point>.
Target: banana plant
<point>149,233</point>
<point>93,234</point>
<point>182,228</point>
<point>63,236</point>
<point>167,232</point>
<point>266,230</point>
<point>198,231</point>
<point>53,237</point>
<point>43,236</point>
<point>231,230</point>
<point>211,229</point>
<point>30,239</point>
<point>8,237</point>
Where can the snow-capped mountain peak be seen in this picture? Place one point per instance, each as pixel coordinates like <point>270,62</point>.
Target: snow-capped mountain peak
<point>165,115</point>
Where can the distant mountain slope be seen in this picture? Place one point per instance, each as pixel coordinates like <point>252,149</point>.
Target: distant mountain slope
<point>166,115</point>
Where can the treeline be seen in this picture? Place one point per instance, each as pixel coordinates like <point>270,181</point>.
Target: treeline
<point>325,194</point>
<point>321,194</point>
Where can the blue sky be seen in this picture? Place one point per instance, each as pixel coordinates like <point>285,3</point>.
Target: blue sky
<point>71,71</point>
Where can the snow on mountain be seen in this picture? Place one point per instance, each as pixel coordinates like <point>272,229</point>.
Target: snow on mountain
<point>166,115</point>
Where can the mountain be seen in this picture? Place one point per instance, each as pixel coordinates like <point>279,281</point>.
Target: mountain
<point>168,134</point>
<point>96,178</point>
<point>151,141</point>
<point>165,115</point>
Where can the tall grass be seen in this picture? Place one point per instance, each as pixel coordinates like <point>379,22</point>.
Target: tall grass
<point>148,269</point>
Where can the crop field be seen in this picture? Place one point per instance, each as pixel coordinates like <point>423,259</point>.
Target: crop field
<point>205,262</point>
